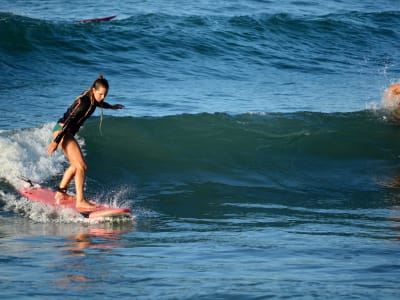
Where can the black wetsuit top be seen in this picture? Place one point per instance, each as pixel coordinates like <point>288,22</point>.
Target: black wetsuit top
<point>80,110</point>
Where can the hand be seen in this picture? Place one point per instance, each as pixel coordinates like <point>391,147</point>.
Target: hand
<point>117,106</point>
<point>51,148</point>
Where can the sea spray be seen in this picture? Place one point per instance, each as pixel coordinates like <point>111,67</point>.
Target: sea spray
<point>24,153</point>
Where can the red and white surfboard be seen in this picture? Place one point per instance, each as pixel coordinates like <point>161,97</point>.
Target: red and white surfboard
<point>46,196</point>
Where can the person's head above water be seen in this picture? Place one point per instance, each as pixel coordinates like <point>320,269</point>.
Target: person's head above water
<point>99,89</point>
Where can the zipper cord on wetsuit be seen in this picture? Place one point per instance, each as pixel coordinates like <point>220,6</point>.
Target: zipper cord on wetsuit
<point>101,122</point>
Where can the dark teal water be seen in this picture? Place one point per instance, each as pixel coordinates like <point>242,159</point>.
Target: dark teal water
<point>254,150</point>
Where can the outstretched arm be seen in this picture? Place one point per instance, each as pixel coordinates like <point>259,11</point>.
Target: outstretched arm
<point>109,106</point>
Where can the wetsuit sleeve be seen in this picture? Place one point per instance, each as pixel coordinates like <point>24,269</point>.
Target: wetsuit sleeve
<point>74,113</point>
<point>105,105</point>
<point>59,137</point>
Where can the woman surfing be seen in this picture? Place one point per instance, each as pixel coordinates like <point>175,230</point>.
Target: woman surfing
<point>64,136</point>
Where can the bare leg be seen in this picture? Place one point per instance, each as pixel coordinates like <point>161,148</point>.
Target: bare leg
<point>68,175</point>
<point>77,169</point>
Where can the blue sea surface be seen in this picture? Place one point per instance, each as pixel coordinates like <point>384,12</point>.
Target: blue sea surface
<point>255,149</point>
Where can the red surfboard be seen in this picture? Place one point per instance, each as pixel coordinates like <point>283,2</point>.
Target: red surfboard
<point>96,20</point>
<point>46,196</point>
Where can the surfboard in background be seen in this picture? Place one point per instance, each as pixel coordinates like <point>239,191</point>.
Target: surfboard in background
<point>95,20</point>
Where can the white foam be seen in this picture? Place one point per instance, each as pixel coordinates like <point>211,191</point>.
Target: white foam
<point>24,152</point>
<point>42,213</point>
<point>113,197</point>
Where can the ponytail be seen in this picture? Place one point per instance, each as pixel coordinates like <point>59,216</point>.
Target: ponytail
<point>100,82</point>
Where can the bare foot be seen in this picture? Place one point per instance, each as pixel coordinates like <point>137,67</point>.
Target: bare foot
<point>63,197</point>
<point>83,204</point>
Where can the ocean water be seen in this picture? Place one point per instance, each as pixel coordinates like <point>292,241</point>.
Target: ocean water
<point>255,149</point>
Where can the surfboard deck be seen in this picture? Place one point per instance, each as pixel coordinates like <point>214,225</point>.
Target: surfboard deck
<point>46,196</point>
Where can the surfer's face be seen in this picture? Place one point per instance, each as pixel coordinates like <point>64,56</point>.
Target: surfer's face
<point>100,93</point>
